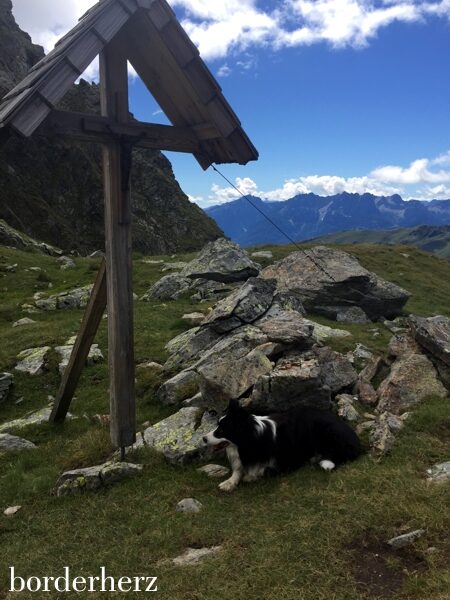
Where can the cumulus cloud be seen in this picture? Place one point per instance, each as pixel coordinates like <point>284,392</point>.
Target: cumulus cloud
<point>221,29</point>
<point>383,181</point>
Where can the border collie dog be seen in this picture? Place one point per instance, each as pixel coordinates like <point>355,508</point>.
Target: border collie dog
<point>281,442</point>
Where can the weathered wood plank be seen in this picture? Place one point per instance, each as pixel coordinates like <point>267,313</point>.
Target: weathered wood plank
<point>114,104</point>
<point>89,326</point>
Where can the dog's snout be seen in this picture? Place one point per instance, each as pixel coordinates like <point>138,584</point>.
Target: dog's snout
<point>205,439</point>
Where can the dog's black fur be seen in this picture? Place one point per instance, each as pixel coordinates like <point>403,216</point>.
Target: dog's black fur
<point>285,441</point>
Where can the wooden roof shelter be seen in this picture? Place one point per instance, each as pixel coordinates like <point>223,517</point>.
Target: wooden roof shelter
<point>147,34</point>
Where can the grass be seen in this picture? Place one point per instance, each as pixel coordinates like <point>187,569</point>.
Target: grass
<point>303,536</point>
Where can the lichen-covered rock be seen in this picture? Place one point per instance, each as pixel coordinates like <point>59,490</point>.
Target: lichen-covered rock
<point>205,289</point>
<point>412,379</point>
<point>243,306</point>
<point>194,319</point>
<point>321,333</point>
<point>221,260</point>
<point>180,387</point>
<point>402,344</point>
<point>433,334</point>
<point>93,478</point>
<point>76,298</point>
<point>11,443</point>
<point>214,471</point>
<point>169,287</point>
<point>173,266</point>
<point>366,392</point>
<point>406,539</point>
<point>337,372</point>
<point>37,417</point>
<point>323,277</point>
<point>382,432</point>
<point>66,263</point>
<point>6,381</point>
<point>33,360</point>
<point>345,314</point>
<point>179,437</point>
<point>267,254</point>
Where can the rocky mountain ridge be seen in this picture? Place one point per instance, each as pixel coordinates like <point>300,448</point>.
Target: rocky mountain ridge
<point>308,216</point>
<point>52,189</point>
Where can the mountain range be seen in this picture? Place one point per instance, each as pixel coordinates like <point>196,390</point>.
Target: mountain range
<point>430,238</point>
<point>308,216</point>
<point>53,190</point>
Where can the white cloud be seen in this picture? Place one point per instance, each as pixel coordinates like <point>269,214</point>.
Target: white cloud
<point>383,181</point>
<point>224,71</point>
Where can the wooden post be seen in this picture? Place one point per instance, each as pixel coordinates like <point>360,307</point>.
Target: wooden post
<point>91,321</point>
<point>116,169</point>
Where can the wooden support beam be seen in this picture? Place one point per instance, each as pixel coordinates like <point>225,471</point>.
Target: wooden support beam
<point>116,165</point>
<point>80,126</point>
<point>91,321</point>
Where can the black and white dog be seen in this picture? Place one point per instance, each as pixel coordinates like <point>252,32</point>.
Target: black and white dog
<point>281,442</point>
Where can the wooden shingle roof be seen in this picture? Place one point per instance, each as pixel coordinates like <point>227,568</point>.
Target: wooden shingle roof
<point>167,61</point>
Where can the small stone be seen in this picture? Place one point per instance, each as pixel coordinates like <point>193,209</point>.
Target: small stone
<point>406,539</point>
<point>66,263</point>
<point>194,319</point>
<point>361,352</point>
<point>346,410</point>
<point>11,511</point>
<point>151,366</point>
<point>193,556</point>
<point>214,471</point>
<point>33,360</point>
<point>24,321</point>
<point>263,254</point>
<point>12,443</point>
<point>189,505</point>
<point>439,472</point>
<point>97,254</point>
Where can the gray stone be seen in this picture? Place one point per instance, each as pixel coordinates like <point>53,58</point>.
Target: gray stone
<point>337,372</point>
<point>345,314</point>
<point>214,471</point>
<point>173,266</point>
<point>24,321</point>
<point>295,381</point>
<point>381,437</point>
<point>93,478</point>
<point>186,348</point>
<point>367,393</point>
<point>193,556</point>
<point>232,366</point>
<point>325,277</point>
<point>194,319</point>
<point>11,443</point>
<point>413,378</point>
<point>180,387</point>
<point>37,417</point>
<point>439,472</point>
<point>267,254</point>
<point>6,381</point>
<point>97,254</point>
<point>288,328</point>
<point>66,263</point>
<point>170,287</point>
<point>33,360</point>
<point>209,290</point>
<point>433,334</point>
<point>11,511</point>
<point>221,260</point>
<point>372,369</point>
<point>73,299</point>
<point>189,505</point>
<point>243,306</point>
<point>406,539</point>
<point>95,355</point>
<point>321,333</point>
<point>346,410</point>
<point>179,437</point>
<point>402,344</point>
<point>361,352</point>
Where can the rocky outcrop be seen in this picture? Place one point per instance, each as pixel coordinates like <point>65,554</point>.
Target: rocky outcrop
<point>6,381</point>
<point>331,282</point>
<point>77,298</point>
<point>412,379</point>
<point>37,417</point>
<point>16,239</point>
<point>433,336</point>
<point>223,261</point>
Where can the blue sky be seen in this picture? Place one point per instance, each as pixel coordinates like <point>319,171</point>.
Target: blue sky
<point>336,94</point>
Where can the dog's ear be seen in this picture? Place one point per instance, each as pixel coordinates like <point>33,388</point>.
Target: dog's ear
<point>234,407</point>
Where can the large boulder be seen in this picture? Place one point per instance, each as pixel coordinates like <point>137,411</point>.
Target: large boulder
<point>221,260</point>
<point>243,306</point>
<point>233,365</point>
<point>169,287</point>
<point>433,334</point>
<point>337,371</point>
<point>331,281</point>
<point>187,347</point>
<point>412,379</point>
<point>288,328</point>
<point>295,381</point>
<point>180,387</point>
<point>93,478</point>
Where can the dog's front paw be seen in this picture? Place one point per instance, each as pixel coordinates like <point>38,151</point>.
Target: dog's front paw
<point>327,465</point>
<point>228,485</point>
